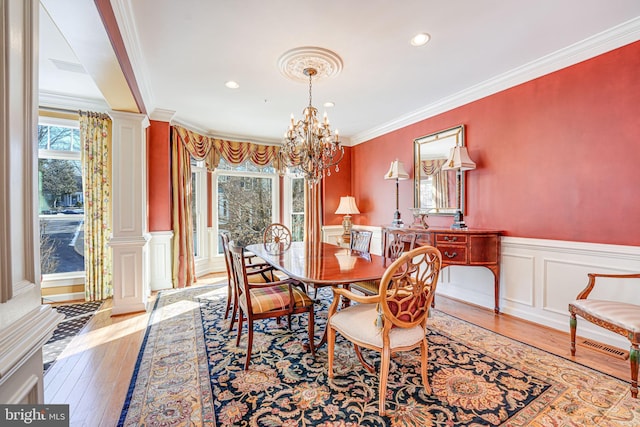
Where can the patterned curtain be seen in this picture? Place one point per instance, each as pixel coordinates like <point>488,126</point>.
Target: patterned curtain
<point>95,139</point>
<point>211,150</point>
<point>183,258</point>
<point>440,181</point>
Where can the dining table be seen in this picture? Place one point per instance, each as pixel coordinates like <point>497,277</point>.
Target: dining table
<point>321,264</point>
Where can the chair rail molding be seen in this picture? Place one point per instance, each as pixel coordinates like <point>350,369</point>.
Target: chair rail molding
<point>538,279</point>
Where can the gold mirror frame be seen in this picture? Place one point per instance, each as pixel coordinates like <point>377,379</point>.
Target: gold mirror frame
<point>437,192</point>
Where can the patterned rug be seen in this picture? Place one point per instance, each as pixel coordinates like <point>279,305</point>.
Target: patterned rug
<point>189,372</point>
<point>75,317</point>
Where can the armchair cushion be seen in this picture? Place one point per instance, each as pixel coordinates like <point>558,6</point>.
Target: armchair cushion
<point>268,298</point>
<point>358,323</point>
<point>621,314</point>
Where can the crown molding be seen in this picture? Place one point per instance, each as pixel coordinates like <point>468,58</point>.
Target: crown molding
<point>60,101</point>
<point>162,115</point>
<point>595,45</point>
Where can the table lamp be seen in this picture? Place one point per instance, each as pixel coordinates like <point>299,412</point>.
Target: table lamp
<point>459,161</point>
<point>397,172</point>
<point>347,207</point>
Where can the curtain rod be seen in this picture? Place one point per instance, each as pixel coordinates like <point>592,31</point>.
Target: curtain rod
<point>59,110</point>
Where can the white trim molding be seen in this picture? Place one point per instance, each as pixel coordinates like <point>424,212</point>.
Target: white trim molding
<point>160,249</point>
<point>598,44</point>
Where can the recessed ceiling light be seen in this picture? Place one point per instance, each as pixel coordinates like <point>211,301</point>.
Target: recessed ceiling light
<point>232,85</point>
<point>329,104</point>
<point>420,39</point>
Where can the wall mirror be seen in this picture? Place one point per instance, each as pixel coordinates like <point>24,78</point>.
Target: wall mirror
<point>437,191</point>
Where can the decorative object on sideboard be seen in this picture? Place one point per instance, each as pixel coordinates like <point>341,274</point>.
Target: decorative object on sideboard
<point>420,216</point>
<point>309,144</point>
<point>347,207</point>
<point>459,161</point>
<point>397,172</point>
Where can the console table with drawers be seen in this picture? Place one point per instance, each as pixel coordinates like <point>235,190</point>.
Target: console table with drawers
<point>474,247</point>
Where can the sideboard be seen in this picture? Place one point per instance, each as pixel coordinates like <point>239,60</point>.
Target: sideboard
<point>472,247</point>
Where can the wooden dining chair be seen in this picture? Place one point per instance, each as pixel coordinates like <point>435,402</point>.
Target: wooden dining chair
<point>276,238</point>
<point>617,316</point>
<point>266,300</point>
<point>392,321</point>
<point>256,273</point>
<point>397,242</point>
<point>360,240</point>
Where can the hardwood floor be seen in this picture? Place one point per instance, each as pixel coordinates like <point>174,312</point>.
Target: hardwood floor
<point>93,373</point>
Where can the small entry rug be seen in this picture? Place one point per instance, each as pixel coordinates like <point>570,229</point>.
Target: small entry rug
<point>189,372</point>
<point>75,317</point>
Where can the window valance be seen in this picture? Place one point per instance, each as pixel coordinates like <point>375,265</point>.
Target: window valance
<point>210,150</point>
<point>432,167</point>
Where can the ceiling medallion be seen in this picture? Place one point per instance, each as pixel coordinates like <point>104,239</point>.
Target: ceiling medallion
<point>294,62</point>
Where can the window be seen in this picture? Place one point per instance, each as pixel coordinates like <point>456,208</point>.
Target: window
<point>294,206</point>
<point>198,208</point>
<point>61,200</point>
<point>247,200</point>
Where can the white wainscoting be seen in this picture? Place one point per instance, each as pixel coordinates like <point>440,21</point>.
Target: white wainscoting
<point>160,248</point>
<point>539,278</point>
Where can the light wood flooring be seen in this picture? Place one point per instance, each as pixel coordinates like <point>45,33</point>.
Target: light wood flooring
<point>93,373</point>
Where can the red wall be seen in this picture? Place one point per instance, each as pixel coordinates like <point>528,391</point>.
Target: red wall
<point>159,176</point>
<point>557,157</point>
<point>336,185</point>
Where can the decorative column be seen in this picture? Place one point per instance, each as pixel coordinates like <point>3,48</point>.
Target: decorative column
<point>130,235</point>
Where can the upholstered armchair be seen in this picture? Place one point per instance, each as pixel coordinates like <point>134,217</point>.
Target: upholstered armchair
<point>392,321</point>
<point>620,317</point>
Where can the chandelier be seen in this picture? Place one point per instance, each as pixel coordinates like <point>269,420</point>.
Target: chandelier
<point>309,144</point>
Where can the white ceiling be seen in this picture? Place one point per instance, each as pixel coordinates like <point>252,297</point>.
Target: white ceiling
<point>184,51</point>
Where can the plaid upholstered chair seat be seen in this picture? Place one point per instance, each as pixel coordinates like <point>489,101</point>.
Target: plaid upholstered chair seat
<point>266,299</point>
<point>367,287</point>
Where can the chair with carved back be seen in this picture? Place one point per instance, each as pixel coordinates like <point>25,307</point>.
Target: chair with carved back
<point>276,238</point>
<point>394,320</point>
<point>620,317</point>
<point>256,273</point>
<point>398,242</point>
<point>267,300</point>
<point>360,240</point>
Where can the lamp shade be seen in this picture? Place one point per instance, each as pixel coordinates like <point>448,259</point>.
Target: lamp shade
<point>459,160</point>
<point>347,206</point>
<point>396,171</point>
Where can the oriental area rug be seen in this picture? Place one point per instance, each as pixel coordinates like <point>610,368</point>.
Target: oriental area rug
<point>190,372</point>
